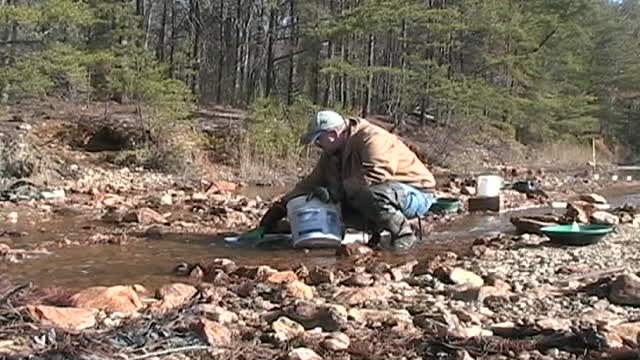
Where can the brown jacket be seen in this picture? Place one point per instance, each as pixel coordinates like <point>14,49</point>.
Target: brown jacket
<point>371,156</point>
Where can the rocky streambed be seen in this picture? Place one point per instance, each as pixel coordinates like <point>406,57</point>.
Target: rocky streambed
<point>125,266</point>
<point>509,296</point>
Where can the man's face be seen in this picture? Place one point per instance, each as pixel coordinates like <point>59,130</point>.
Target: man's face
<point>329,141</point>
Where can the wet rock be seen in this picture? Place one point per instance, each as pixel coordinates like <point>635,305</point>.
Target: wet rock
<point>196,272</point>
<point>67,318</point>
<point>218,277</point>
<point>358,279</point>
<point>166,199</point>
<point>336,341</point>
<point>403,271</point>
<point>122,299</point>
<point>443,261</point>
<point>144,216</point>
<point>470,316</point>
<point>4,249</point>
<point>213,332</point>
<point>213,294</point>
<point>604,218</point>
<point>279,277</point>
<point>263,272</point>
<point>217,313</point>
<point>623,334</point>
<point>226,265</point>
<point>299,290</point>
<point>579,211</point>
<point>625,290</point>
<point>599,317</point>
<point>222,185</point>
<point>328,317</point>
<point>354,250</point>
<point>593,198</point>
<point>440,323</point>
<point>393,317</point>
<point>320,275</point>
<point>355,296</point>
<point>481,293</point>
<point>554,324</point>
<point>173,296</point>
<point>463,277</point>
<point>303,354</point>
<point>472,331</point>
<point>287,328</point>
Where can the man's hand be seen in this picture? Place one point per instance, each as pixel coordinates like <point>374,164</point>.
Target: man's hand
<point>330,194</point>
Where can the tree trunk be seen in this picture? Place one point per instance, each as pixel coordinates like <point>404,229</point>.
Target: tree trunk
<point>238,54</point>
<point>247,57</point>
<point>195,52</point>
<point>366,108</point>
<point>9,36</point>
<point>221,53</point>
<point>163,31</point>
<point>268,83</point>
<point>293,46</point>
<point>172,40</point>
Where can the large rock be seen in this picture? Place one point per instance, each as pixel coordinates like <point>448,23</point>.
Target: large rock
<point>579,211</point>
<point>144,216</point>
<point>226,265</point>
<point>287,328</point>
<point>618,335</point>
<point>625,290</point>
<point>320,275</point>
<point>328,317</point>
<point>604,218</point>
<point>358,279</point>
<point>355,296</point>
<point>279,277</point>
<point>336,341</point>
<point>122,299</point>
<point>298,289</point>
<point>66,318</point>
<point>380,316</point>
<point>463,277</point>
<point>173,296</point>
<point>554,324</point>
<point>501,289</point>
<point>472,331</point>
<point>213,332</point>
<point>593,198</point>
<point>354,250</point>
<point>303,354</point>
<point>217,313</point>
<point>403,271</point>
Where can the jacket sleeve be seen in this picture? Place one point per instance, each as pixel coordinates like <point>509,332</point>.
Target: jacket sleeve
<point>377,164</point>
<point>306,185</point>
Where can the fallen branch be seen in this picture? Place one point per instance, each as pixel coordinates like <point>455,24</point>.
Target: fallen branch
<point>11,292</point>
<point>594,274</point>
<point>172,351</point>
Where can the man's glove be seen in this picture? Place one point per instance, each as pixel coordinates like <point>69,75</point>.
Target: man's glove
<point>333,194</point>
<point>252,235</point>
<point>272,216</point>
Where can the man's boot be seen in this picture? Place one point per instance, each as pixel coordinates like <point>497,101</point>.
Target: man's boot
<point>380,206</point>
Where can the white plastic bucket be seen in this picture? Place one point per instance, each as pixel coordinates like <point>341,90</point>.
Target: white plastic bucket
<point>488,185</point>
<point>314,223</point>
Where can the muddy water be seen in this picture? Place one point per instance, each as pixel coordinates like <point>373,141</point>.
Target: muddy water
<point>150,261</point>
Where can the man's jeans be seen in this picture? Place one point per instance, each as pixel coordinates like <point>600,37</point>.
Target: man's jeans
<point>387,206</point>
